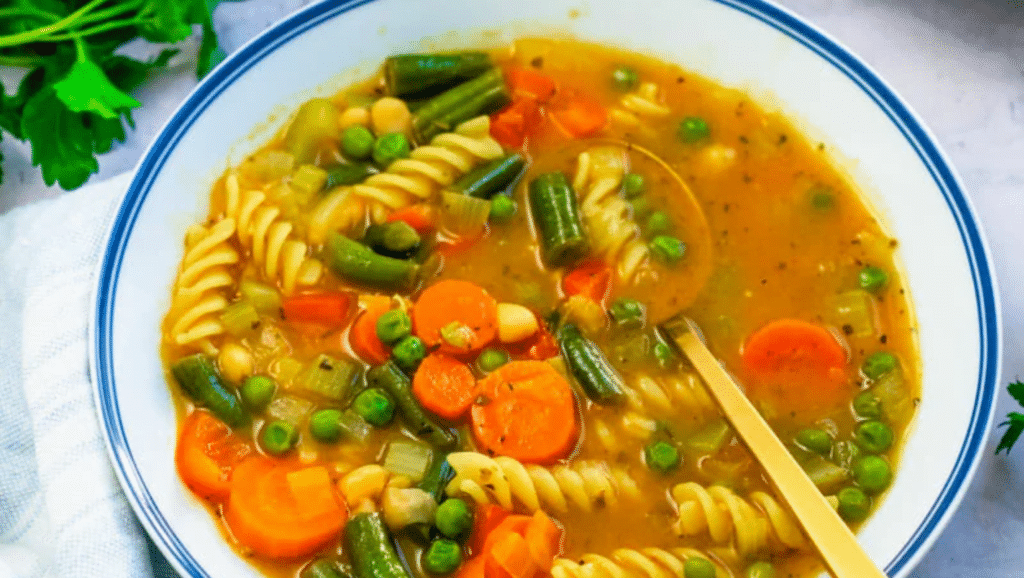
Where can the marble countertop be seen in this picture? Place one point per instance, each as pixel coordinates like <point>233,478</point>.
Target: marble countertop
<point>959,64</point>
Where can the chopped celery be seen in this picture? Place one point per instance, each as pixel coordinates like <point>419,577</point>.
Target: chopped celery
<point>825,474</point>
<point>895,399</point>
<point>309,179</point>
<point>465,216</point>
<point>353,427</point>
<point>240,317</point>
<point>290,409</point>
<point>265,298</point>
<point>710,438</point>
<point>270,165</point>
<point>330,377</point>
<point>286,369</point>
<point>854,312</point>
<point>408,458</point>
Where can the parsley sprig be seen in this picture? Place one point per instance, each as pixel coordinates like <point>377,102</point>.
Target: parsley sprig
<point>75,100</point>
<point>1014,420</point>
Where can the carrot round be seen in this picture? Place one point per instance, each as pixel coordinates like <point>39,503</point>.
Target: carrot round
<point>330,309</point>
<point>444,385</point>
<point>363,334</point>
<point>526,410</point>
<point>590,279</point>
<point>796,366</point>
<point>457,316</point>
<point>207,452</point>
<point>578,115</point>
<point>283,510</point>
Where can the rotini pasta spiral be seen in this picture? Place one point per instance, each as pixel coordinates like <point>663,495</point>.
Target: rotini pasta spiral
<point>615,236</point>
<point>755,523</point>
<point>585,485</point>
<point>630,563</point>
<point>642,103</point>
<point>199,288</point>
<point>260,228</point>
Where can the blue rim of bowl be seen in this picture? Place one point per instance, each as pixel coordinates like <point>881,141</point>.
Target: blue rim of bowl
<point>305,19</point>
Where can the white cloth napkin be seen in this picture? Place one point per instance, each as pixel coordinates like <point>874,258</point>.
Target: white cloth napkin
<point>62,513</point>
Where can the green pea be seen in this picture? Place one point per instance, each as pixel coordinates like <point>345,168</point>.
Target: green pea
<point>389,148</point>
<point>693,129</point>
<point>503,208</point>
<point>633,185</point>
<point>759,570</point>
<point>454,519</point>
<point>822,199</point>
<point>257,391</point>
<point>325,425</point>
<point>854,504</point>
<point>624,78</point>
<point>661,457</point>
<point>872,474</point>
<point>491,359</point>
<point>698,567</point>
<point>443,556</point>
<point>668,250</point>
<point>357,142</point>
<point>409,352</point>
<point>393,325</point>
<point>658,223</point>
<point>278,437</point>
<point>867,405</point>
<point>628,313</point>
<point>874,437</point>
<point>815,440</point>
<point>663,353</point>
<point>878,364</point>
<point>872,279</point>
<point>375,406</point>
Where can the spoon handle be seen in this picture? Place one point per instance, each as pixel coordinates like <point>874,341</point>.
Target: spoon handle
<point>828,533</point>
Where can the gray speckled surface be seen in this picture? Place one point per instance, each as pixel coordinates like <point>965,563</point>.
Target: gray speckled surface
<point>959,64</point>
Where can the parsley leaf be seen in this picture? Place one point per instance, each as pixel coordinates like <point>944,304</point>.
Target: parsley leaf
<point>1014,421</point>
<point>87,89</point>
<point>62,145</point>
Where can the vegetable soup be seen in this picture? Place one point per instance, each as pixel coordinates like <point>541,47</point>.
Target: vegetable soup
<point>417,332</point>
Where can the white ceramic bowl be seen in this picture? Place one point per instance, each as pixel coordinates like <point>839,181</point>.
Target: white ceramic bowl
<point>785,63</point>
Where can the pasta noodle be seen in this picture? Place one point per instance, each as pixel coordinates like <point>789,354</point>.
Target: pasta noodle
<point>724,516</point>
<point>615,236</point>
<point>641,104</point>
<point>585,485</point>
<point>630,563</point>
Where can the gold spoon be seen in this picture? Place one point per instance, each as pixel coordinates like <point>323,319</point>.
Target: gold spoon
<point>827,532</point>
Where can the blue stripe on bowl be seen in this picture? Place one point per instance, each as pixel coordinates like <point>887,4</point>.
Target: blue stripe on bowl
<point>794,27</point>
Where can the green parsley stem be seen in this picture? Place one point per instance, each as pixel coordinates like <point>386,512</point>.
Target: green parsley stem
<point>99,29</point>
<point>28,11</point>
<point>106,13</point>
<point>42,32</point>
<point>21,61</point>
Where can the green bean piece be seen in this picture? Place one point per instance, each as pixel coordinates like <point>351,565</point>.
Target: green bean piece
<point>624,78</point>
<point>371,549</point>
<point>872,279</point>
<point>357,142</point>
<point>408,352</point>
<point>278,436</point>
<point>872,474</point>
<point>396,239</point>
<point>854,504</point>
<point>491,359</point>
<point>437,477</point>
<point>667,249</point>
<point>257,391</point>
<point>415,74</point>
<point>815,440</point>
<point>323,568</point>
<point>357,263</point>
<point>454,519</point>
<point>867,405</point>
<point>759,570</point>
<point>556,213</point>
<point>490,178</point>
<point>693,129</point>
<point>199,379</point>
<point>633,185</point>
<point>628,313</point>
<point>874,437</point>
<point>484,94</point>
<point>442,557</point>
<point>375,406</point>
<point>392,380</point>
<point>658,223</point>
<point>661,457</point>
<point>393,325</point>
<point>503,208</point>
<point>698,567</point>
<point>348,174</point>
<point>589,367</point>
<point>878,364</point>
<point>390,147</point>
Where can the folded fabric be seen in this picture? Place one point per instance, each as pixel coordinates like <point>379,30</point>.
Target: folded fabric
<point>62,512</point>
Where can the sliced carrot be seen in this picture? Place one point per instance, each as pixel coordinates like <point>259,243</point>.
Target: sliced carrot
<point>578,115</point>
<point>473,568</point>
<point>529,82</point>
<point>419,217</point>
<point>540,346</point>
<point>590,279</point>
<point>510,557</point>
<point>331,309</point>
<point>363,334</point>
<point>457,316</point>
<point>544,539</point>
<point>526,410</point>
<point>265,514</point>
<point>796,366</point>
<point>511,125</point>
<point>207,452</point>
<point>485,519</point>
<point>514,523</point>
<point>444,385</point>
